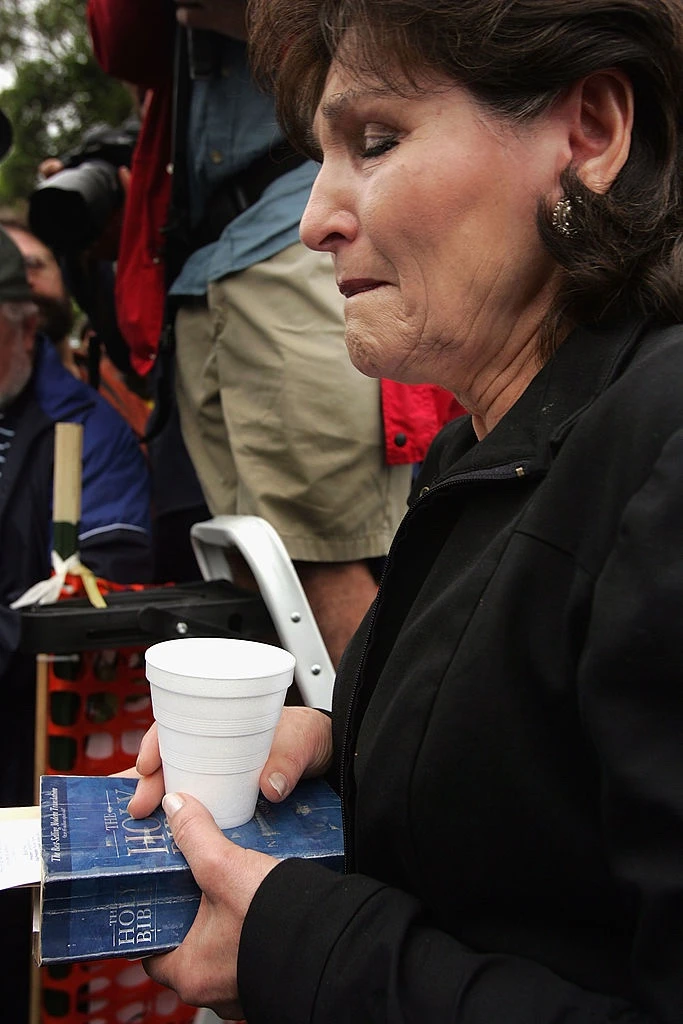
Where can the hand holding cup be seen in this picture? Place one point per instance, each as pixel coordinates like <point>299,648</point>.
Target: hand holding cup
<point>301,748</point>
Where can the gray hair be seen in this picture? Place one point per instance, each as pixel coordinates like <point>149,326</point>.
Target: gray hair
<point>18,312</point>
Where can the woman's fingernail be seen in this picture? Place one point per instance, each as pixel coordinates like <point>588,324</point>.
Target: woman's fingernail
<point>279,783</point>
<point>171,803</point>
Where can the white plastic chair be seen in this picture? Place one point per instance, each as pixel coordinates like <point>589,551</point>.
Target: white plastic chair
<point>282,593</point>
<point>207,1017</point>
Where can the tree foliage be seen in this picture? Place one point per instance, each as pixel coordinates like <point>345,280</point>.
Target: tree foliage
<point>58,90</point>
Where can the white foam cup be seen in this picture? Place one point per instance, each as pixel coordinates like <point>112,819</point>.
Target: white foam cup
<point>217,702</point>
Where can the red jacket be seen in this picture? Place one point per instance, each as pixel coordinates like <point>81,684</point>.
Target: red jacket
<point>139,49</point>
<point>134,42</point>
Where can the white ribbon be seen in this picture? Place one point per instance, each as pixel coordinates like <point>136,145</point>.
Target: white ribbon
<point>48,591</point>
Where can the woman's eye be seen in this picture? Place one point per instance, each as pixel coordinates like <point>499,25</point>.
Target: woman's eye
<point>376,146</point>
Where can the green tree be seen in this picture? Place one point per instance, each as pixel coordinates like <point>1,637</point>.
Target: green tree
<point>56,92</point>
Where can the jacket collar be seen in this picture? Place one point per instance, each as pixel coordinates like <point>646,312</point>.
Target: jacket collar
<point>529,434</point>
<point>57,391</point>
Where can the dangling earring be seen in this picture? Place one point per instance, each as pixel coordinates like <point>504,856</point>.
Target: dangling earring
<point>562,217</point>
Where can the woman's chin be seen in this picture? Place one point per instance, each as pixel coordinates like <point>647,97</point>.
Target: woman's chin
<point>371,355</point>
<point>365,358</point>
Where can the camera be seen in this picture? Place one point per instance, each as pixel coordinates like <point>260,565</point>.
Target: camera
<point>69,211</point>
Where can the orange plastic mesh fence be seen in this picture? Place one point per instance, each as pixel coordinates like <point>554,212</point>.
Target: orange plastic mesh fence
<point>108,992</point>
<point>99,709</point>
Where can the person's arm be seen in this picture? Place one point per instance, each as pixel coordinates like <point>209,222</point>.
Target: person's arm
<point>115,537</point>
<point>337,949</point>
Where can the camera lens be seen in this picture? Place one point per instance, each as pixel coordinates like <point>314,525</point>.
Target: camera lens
<point>70,210</point>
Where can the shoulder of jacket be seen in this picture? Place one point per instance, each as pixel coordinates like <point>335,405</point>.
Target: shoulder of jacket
<point>654,374</point>
<point>642,408</point>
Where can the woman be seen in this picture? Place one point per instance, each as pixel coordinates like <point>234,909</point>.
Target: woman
<point>501,195</point>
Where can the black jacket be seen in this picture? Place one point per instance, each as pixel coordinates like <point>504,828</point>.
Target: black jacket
<point>512,760</point>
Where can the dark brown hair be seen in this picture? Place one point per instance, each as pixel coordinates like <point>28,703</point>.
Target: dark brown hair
<point>625,253</point>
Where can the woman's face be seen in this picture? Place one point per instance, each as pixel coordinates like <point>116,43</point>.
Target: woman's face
<point>428,206</point>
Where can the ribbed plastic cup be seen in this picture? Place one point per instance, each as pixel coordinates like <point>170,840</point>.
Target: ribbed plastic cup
<point>217,702</point>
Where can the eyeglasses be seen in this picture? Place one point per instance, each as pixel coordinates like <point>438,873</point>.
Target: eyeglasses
<point>36,263</point>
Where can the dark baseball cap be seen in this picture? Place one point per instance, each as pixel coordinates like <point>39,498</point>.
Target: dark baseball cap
<point>5,134</point>
<point>14,286</point>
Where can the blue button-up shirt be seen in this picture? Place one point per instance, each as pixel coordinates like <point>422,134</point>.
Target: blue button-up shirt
<point>232,122</point>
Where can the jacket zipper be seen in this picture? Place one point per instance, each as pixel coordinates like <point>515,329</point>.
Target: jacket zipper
<point>518,471</point>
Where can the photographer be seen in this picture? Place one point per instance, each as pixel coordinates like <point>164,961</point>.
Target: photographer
<point>77,211</point>
<point>90,186</point>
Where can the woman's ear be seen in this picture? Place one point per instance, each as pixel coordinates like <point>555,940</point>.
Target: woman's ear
<point>600,136</point>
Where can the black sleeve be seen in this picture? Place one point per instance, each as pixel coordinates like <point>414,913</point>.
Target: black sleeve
<point>344,949</point>
<point>119,556</point>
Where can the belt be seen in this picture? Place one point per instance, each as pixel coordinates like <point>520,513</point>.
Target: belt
<point>242,190</point>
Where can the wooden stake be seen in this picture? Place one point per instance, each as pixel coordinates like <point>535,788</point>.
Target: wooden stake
<point>66,495</point>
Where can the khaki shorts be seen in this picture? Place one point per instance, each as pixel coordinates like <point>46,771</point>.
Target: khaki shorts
<point>277,421</point>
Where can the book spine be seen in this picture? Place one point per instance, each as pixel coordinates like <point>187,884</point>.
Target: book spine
<point>136,915</point>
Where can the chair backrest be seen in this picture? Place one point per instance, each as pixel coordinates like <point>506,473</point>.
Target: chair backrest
<point>282,593</point>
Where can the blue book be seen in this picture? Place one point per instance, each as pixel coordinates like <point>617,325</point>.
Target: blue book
<point>115,886</point>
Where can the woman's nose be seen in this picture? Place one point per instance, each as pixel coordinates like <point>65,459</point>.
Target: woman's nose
<point>326,221</point>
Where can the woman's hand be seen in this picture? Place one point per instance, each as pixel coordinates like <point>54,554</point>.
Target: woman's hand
<point>150,787</point>
<point>301,748</point>
<point>203,969</point>
<point>51,165</point>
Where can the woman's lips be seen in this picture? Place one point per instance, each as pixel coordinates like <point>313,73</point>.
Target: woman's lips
<point>354,286</point>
